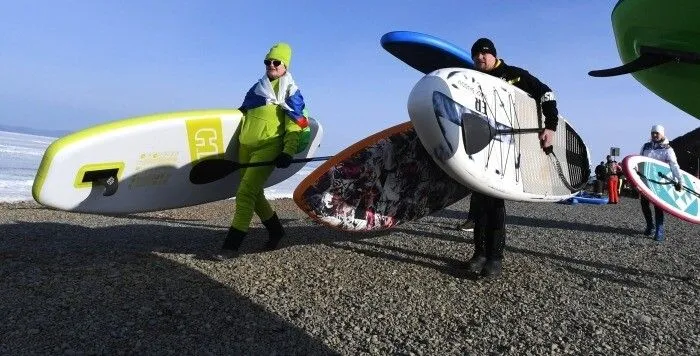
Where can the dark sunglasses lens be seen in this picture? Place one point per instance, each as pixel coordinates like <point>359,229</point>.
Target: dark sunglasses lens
<point>274,63</point>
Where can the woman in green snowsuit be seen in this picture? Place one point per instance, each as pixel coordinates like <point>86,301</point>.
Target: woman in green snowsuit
<point>274,117</point>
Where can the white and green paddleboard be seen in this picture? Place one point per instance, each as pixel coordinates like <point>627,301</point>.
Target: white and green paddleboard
<point>654,180</point>
<point>143,164</point>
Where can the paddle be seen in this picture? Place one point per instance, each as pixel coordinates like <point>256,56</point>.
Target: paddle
<point>213,169</point>
<point>479,132</point>
<point>668,181</point>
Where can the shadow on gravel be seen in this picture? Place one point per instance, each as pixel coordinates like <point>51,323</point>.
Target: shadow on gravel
<point>569,225</point>
<point>450,266</point>
<point>414,229</point>
<point>551,224</point>
<point>73,289</point>
<point>451,214</point>
<point>569,263</point>
<point>601,276</point>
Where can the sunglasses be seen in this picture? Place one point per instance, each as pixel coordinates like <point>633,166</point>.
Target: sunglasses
<point>275,63</point>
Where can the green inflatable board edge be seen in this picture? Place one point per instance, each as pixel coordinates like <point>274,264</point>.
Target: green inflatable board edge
<point>665,25</point>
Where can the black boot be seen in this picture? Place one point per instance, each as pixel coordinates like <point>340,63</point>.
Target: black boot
<point>234,239</point>
<point>495,244</point>
<point>229,249</point>
<point>476,263</point>
<point>646,210</point>
<point>275,231</point>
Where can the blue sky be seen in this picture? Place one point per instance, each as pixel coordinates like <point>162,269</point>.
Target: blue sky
<point>73,64</point>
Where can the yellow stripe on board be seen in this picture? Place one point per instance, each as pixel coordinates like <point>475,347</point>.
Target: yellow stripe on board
<point>205,138</point>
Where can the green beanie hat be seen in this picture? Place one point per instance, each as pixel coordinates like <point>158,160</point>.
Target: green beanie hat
<point>282,52</point>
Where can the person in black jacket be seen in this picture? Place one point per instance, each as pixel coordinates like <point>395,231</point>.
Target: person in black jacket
<point>599,178</point>
<point>490,213</point>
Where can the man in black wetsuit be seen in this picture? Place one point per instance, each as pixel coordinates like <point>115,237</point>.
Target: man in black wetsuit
<point>490,213</point>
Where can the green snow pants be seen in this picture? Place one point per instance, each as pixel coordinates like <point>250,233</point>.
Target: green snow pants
<point>250,197</point>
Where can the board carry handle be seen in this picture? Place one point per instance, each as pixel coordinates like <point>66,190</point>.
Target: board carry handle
<point>103,177</point>
<point>213,169</point>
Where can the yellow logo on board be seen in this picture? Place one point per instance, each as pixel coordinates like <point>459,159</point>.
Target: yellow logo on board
<point>205,138</point>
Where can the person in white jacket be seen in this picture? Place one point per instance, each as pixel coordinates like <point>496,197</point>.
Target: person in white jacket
<point>660,149</point>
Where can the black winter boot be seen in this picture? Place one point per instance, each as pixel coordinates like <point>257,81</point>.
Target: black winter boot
<point>275,231</point>
<point>495,244</point>
<point>229,249</point>
<point>234,239</point>
<point>476,263</point>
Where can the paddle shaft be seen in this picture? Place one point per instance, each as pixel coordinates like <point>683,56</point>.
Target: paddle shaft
<point>518,131</point>
<point>272,163</point>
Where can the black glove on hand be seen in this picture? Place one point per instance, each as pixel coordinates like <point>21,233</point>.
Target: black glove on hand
<point>677,186</point>
<point>283,160</point>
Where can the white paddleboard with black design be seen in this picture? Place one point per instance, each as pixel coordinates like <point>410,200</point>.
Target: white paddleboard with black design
<point>484,133</point>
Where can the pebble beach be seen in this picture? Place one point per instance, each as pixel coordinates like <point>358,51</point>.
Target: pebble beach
<point>578,279</point>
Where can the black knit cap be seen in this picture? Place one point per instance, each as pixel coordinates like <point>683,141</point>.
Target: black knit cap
<point>483,45</point>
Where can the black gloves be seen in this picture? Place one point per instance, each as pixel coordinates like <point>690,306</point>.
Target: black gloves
<point>283,160</point>
<point>677,186</point>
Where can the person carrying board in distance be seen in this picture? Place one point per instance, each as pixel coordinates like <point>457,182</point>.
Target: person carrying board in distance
<point>659,148</point>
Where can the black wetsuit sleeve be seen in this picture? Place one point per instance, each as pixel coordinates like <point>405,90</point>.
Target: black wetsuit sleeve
<point>544,96</point>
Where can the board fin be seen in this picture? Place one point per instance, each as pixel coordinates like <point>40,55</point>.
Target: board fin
<point>111,185</point>
<point>649,57</point>
<point>106,178</point>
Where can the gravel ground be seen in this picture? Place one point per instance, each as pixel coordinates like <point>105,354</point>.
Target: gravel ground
<point>578,279</point>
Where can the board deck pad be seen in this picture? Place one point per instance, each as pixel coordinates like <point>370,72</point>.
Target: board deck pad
<point>143,164</point>
<point>466,118</point>
<point>424,52</point>
<point>653,180</point>
<point>382,181</point>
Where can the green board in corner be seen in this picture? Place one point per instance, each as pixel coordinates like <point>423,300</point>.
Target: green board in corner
<point>659,44</point>
<point>144,163</point>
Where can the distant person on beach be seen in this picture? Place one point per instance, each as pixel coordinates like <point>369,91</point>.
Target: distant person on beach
<point>659,148</point>
<point>612,169</point>
<point>489,214</point>
<point>271,130</point>
<point>620,180</point>
<point>599,178</point>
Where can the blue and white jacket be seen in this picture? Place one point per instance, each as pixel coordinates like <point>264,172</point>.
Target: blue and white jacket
<point>663,151</point>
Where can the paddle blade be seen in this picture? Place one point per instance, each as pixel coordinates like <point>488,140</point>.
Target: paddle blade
<point>210,170</point>
<point>477,132</point>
